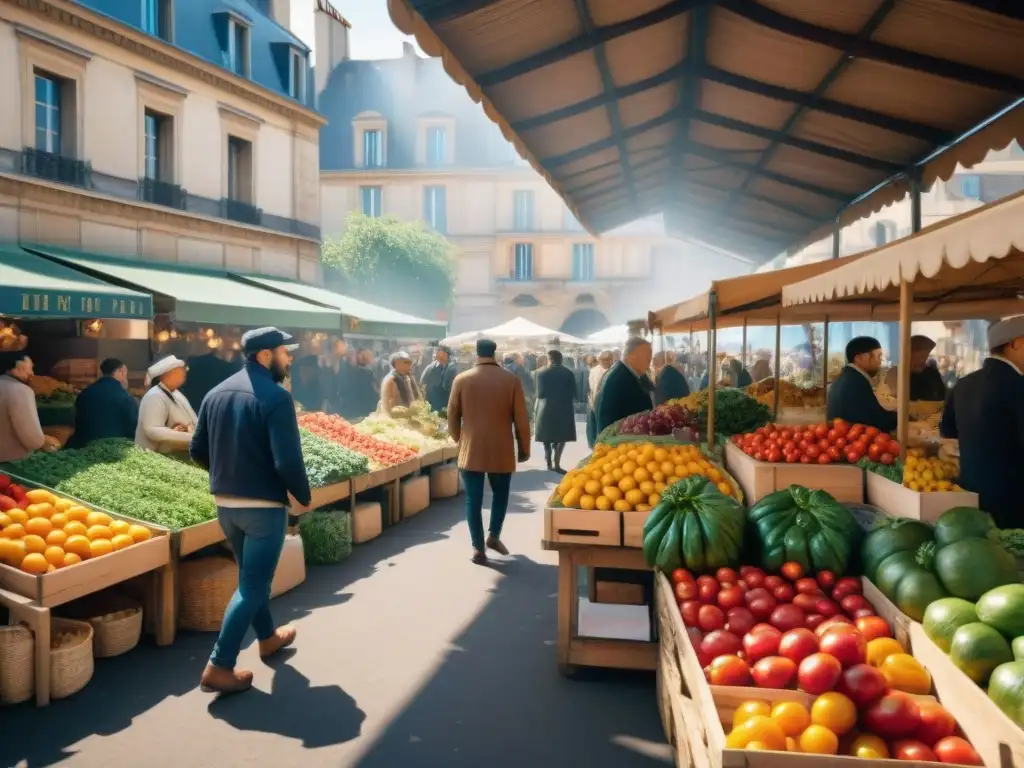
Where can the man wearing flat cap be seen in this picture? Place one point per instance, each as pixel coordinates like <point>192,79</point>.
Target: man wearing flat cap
<point>248,438</point>
<point>925,380</point>
<point>399,386</point>
<point>437,379</point>
<point>852,395</point>
<point>985,411</point>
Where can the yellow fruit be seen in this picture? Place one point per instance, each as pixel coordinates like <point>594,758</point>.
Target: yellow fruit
<point>667,467</point>
<point>792,717</point>
<point>627,483</point>
<point>17,516</point>
<point>122,540</point>
<point>63,505</point>
<point>647,487</point>
<point>39,510</point>
<point>835,712</point>
<point>56,538</point>
<point>680,470</point>
<point>70,558</point>
<point>654,499</point>
<point>673,480</point>
<point>40,526</point>
<point>102,532</point>
<point>34,543</point>
<point>641,475</point>
<point>607,479</point>
<point>54,556</point>
<point>34,563</point>
<point>97,518</point>
<point>658,477</point>
<point>14,531</point>
<point>119,526</point>
<point>14,553</point>
<point>77,513</point>
<point>724,488</point>
<point>749,709</point>
<point>5,548</point>
<point>570,499</point>
<point>617,475</point>
<point>818,740</point>
<point>593,487</point>
<point>629,467</point>
<point>870,747</point>
<point>653,466</point>
<point>659,487</point>
<point>77,544</point>
<point>603,503</point>
<point>636,496</point>
<point>75,528</point>
<point>586,502</point>
<point>139,533</point>
<point>40,496</point>
<point>100,547</point>
<point>58,520</point>
<point>579,481</point>
<point>622,506</point>
<point>643,507</point>
<point>660,454</point>
<point>612,493</point>
<point>4,521</point>
<point>882,648</point>
<point>792,745</point>
<point>714,475</point>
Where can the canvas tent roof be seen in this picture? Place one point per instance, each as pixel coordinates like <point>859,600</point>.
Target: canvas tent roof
<point>517,328</point>
<point>751,124</point>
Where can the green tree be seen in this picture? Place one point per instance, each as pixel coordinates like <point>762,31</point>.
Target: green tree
<point>394,263</point>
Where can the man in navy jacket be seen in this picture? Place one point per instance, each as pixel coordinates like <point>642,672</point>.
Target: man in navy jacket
<point>852,395</point>
<point>104,408</point>
<point>248,437</point>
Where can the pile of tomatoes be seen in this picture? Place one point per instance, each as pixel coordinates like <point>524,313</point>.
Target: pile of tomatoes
<point>836,442</point>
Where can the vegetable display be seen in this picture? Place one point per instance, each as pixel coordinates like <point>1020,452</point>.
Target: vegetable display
<point>420,418</point>
<point>808,527</point>
<point>663,420</point>
<point>837,442</point>
<point>327,462</point>
<point>400,432</point>
<point>735,411</point>
<point>695,525</point>
<point>336,429</point>
<point>326,536</point>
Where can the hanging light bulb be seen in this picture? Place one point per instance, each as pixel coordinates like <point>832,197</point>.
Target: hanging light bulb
<point>163,337</point>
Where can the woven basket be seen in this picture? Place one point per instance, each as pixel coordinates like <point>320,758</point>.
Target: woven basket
<point>206,585</point>
<point>71,668</point>
<point>113,636</point>
<point>17,664</point>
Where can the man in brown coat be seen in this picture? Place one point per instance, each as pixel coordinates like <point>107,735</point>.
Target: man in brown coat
<point>486,403</point>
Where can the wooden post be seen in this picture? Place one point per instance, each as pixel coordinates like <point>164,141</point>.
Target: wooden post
<point>778,366</point>
<point>712,368</point>
<point>824,354</point>
<point>903,387</point>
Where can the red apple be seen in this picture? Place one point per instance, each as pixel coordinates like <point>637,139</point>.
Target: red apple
<point>739,620</point>
<point>863,685</point>
<point>818,673</point>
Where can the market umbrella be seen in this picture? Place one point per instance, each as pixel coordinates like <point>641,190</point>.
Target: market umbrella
<point>519,329</point>
<point>615,334</point>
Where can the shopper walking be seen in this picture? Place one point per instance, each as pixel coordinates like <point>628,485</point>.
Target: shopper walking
<point>556,417</point>
<point>248,438</point>
<point>486,405</point>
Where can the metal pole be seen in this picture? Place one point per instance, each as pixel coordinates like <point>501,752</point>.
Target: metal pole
<point>906,324</point>
<point>712,365</point>
<point>837,233</point>
<point>778,367</point>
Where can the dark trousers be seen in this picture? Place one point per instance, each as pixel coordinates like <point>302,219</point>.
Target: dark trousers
<point>474,482</point>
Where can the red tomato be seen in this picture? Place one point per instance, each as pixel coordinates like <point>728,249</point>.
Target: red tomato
<point>728,670</point>
<point>863,685</point>
<point>826,608</point>
<point>786,617</point>
<point>731,597</point>
<point>754,579</point>
<point>812,452</point>
<point>793,458</point>
<point>894,716</point>
<point>690,611</point>
<point>773,581</point>
<point>846,586</point>
<point>840,622</point>
<point>789,446</point>
<point>739,621</point>
<point>936,722</point>
<point>824,445</point>
<point>745,569</point>
<point>797,644</point>
<point>848,647</point>
<point>832,435</point>
<point>862,613</point>
<point>792,570</point>
<point>783,593</point>
<point>853,456</point>
<point>721,643</point>
<point>871,432</point>
<point>813,620</point>
<point>872,627</point>
<point>805,602</point>
<point>708,591</point>
<point>760,645</point>
<point>773,672</point>
<point>805,459</point>
<point>953,749</point>
<point>710,617</point>
<point>834,454</point>
<point>874,451</point>
<point>895,448</point>
<point>686,590</point>
<point>726,576</point>
<point>681,574</point>
<point>841,443</point>
<point>855,432</point>
<point>852,603</point>
<point>818,673</point>
<point>774,456</point>
<point>824,459</point>
<point>764,627</point>
<point>913,750</point>
<point>841,425</point>
<point>821,432</point>
<point>806,586</point>
<point>887,458</point>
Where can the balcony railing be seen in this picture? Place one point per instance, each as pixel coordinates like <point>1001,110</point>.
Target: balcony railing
<point>79,173</point>
<point>54,167</point>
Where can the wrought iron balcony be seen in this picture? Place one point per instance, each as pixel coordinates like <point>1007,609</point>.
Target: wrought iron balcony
<point>239,211</point>
<point>162,193</point>
<point>54,167</point>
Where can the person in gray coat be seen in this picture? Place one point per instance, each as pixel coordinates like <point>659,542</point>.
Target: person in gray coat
<point>556,417</point>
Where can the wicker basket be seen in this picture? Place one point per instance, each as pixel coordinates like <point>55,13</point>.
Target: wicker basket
<point>71,668</point>
<point>116,620</point>
<point>17,664</point>
<point>206,585</point>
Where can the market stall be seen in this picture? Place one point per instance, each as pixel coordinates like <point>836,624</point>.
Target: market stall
<point>517,330</point>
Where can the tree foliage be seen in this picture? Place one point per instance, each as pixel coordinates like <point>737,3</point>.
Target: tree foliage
<point>394,263</point>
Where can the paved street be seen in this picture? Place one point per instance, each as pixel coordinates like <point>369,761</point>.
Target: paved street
<point>408,655</point>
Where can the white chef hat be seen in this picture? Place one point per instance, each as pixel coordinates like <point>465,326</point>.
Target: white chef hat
<point>160,367</point>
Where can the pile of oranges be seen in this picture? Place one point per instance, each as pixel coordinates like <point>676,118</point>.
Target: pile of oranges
<point>632,476</point>
<point>52,533</point>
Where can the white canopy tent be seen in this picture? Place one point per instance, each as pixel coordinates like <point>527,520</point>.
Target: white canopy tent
<point>518,329</point>
<point>615,334</point>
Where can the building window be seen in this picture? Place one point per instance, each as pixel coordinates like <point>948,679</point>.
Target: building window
<point>970,187</point>
<point>372,201</point>
<point>240,167</point>
<point>885,232</point>
<point>157,18</point>
<point>297,76</point>
<point>48,112</point>
<point>522,211</point>
<point>583,262</point>
<point>437,146</point>
<point>158,158</point>
<point>522,264</point>
<point>435,208</point>
<point>238,47</point>
<point>373,148</point>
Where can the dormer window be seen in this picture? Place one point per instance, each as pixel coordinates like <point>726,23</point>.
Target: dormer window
<point>158,18</point>
<point>297,75</point>
<point>233,30</point>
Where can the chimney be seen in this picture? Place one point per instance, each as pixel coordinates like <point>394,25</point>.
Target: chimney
<point>331,32</point>
<point>281,12</point>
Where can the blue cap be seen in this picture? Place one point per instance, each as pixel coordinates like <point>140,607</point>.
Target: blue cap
<point>259,339</point>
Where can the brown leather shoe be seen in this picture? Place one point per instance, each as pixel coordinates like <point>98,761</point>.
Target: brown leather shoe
<point>496,545</point>
<point>479,558</point>
<point>282,638</point>
<point>220,680</point>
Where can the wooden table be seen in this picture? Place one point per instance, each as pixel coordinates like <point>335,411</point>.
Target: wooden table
<point>576,651</point>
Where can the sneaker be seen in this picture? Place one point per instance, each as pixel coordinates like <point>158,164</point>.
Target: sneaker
<point>219,680</point>
<point>282,638</point>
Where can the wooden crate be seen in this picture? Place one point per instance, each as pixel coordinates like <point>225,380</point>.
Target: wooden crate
<point>450,452</point>
<point>587,527</point>
<point>444,481</point>
<point>321,497</point>
<point>196,537</point>
<point>1001,742</point>
<point>797,416</point>
<point>372,479</point>
<point>757,479</point>
<point>898,620</point>
<point>633,528</point>
<point>366,522</point>
<point>404,469</point>
<point>899,501</point>
<point>431,457</point>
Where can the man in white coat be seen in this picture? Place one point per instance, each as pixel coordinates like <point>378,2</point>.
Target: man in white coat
<point>166,420</point>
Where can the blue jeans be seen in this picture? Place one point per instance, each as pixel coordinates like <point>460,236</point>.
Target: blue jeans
<point>256,536</point>
<point>474,482</point>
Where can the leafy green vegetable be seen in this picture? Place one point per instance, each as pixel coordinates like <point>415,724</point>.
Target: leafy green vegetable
<point>892,471</point>
<point>326,536</point>
<point>328,462</point>
<point>1012,540</point>
<point>736,412</point>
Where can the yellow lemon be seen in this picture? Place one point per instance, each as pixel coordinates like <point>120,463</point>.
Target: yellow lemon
<point>54,556</point>
<point>627,483</point>
<point>660,487</point>
<point>647,487</point>
<point>641,475</point>
<point>101,532</point>
<point>607,479</point>
<point>629,467</point>
<point>34,563</point>
<point>654,499</point>
<point>724,488</point>
<point>122,540</point>
<point>70,558</point>
<point>658,477</point>
<point>660,454</point>
<point>612,493</point>
<point>592,487</point>
<point>571,499</point>
<point>603,503</point>
<point>100,547</point>
<point>139,533</point>
<point>618,474</point>
<point>623,506</point>
<point>63,505</point>
<point>14,531</point>
<point>75,528</point>
<point>77,544</point>
<point>42,509</point>
<point>15,553</point>
<point>119,526</point>
<point>34,543</point>
<point>56,538</point>
<point>97,518</point>
<point>40,526</point>
<point>4,521</point>
<point>58,520</point>
<point>77,513</point>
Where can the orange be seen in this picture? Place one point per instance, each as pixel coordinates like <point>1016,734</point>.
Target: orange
<point>658,477</point>
<point>40,526</point>
<point>791,716</point>
<point>757,728</point>
<point>622,506</point>
<point>4,521</point>
<point>54,556</point>
<point>56,538</point>
<point>34,563</point>
<point>75,528</point>
<point>835,712</point>
<point>586,502</point>
<point>617,475</point>
<point>39,510</point>
<point>5,549</point>
<point>51,568</point>
<point>34,543</point>
<point>97,518</point>
<point>59,520</point>
<point>40,496</point>
<point>629,467</point>
<point>15,553</point>
<point>612,493</point>
<point>63,505</point>
<point>103,532</point>
<point>635,497</point>
<point>673,480</point>
<point>601,502</point>
<point>593,487</point>
<point>724,488</point>
<point>17,516</point>
<point>818,740</point>
<point>647,487</point>
<point>667,468</point>
<point>714,475</point>
<point>654,499</point>
<point>100,547</point>
<point>792,745</point>
<point>70,558</point>
<point>627,483</point>
<point>641,475</point>
<point>869,746</point>
<point>749,709</point>
<point>570,499</point>
<point>77,513</point>
<point>139,533</point>
<point>680,470</point>
<point>14,531</point>
<point>78,545</point>
<point>660,486</point>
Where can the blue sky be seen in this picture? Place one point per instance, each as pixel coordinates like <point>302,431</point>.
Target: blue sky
<point>372,36</point>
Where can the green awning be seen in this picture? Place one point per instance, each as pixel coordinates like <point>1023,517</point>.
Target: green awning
<point>203,296</point>
<point>36,288</point>
<point>358,317</point>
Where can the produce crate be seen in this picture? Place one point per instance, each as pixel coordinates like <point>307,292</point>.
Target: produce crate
<point>415,495</point>
<point>796,415</point>
<point>450,452</point>
<point>431,457</point>
<point>321,497</point>
<point>587,527</point>
<point>371,480</point>
<point>633,528</point>
<point>757,479</point>
<point>195,537</point>
<point>1002,742</point>
<point>899,501</point>
<point>404,469</point>
<point>898,620</point>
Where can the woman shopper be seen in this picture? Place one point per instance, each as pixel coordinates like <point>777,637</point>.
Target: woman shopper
<point>556,416</point>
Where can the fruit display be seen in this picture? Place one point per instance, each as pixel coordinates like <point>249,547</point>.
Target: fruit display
<point>914,564</point>
<point>49,390</point>
<point>663,420</point>
<point>327,462</point>
<point>807,527</point>
<point>736,412</point>
<point>632,476</point>
<point>919,472</point>
<point>695,525</point>
<point>790,395</point>
<point>400,432</point>
<point>46,532</point>
<point>836,442</point>
<point>380,453</point>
